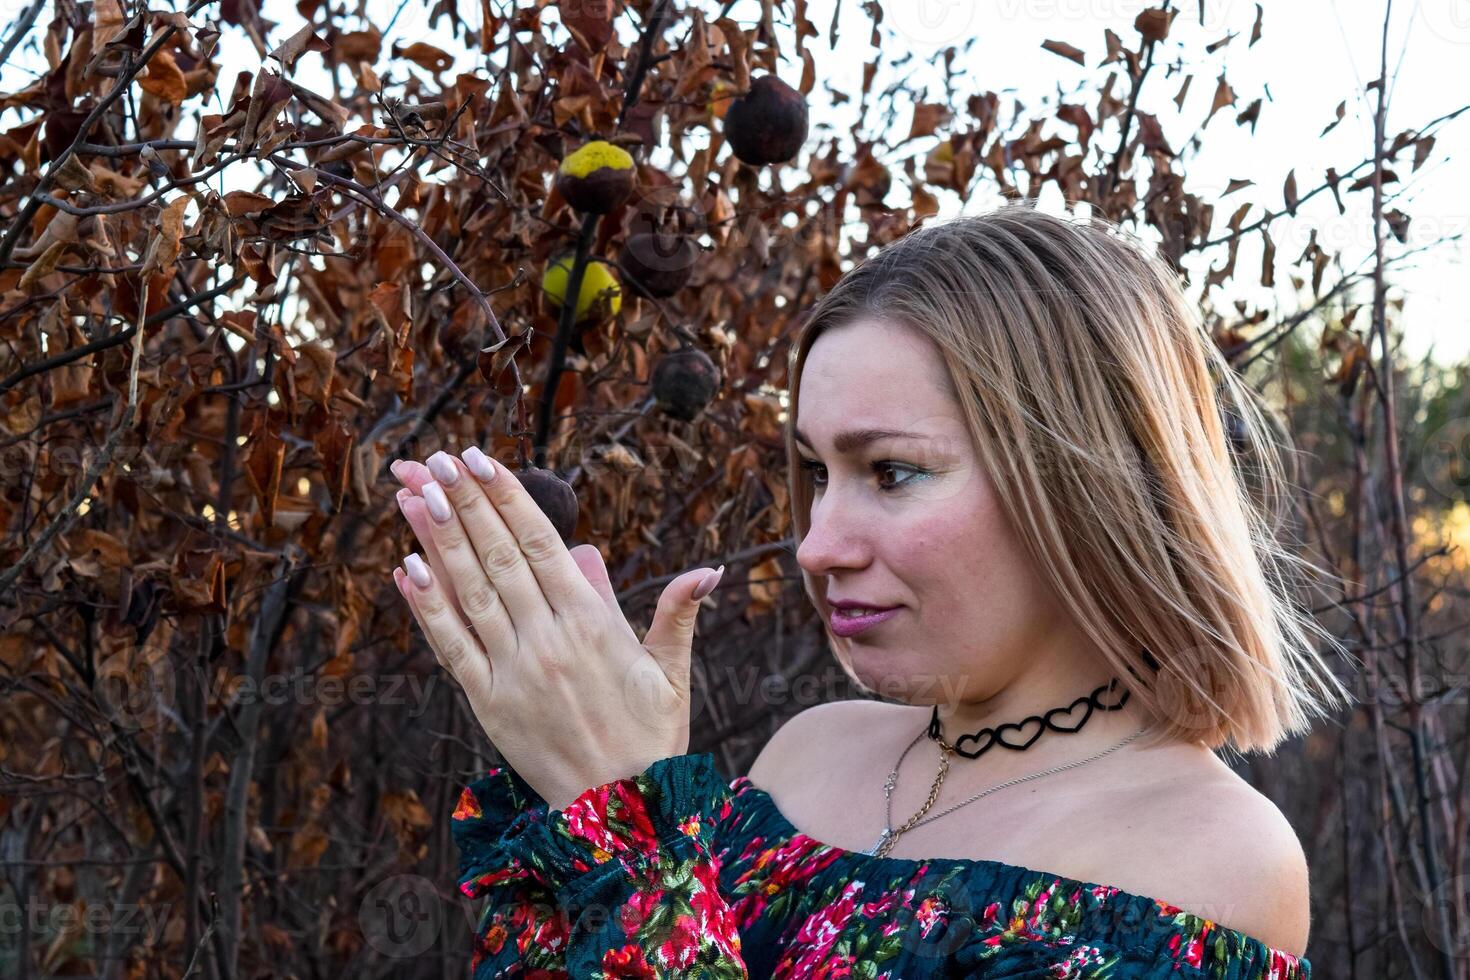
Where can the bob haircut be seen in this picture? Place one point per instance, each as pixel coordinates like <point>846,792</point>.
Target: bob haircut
<point>1093,396</point>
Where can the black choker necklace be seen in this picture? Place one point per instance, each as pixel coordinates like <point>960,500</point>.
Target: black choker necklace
<point>985,738</point>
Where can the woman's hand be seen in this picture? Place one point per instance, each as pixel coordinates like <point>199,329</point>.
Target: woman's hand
<point>553,671</point>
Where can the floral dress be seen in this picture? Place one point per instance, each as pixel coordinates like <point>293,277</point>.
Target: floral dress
<point>675,872</point>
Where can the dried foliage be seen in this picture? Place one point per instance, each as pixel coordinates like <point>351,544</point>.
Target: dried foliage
<point>217,725</point>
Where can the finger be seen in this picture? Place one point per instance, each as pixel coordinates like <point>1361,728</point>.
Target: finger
<point>594,570</point>
<point>416,512</point>
<point>406,588</point>
<point>459,649</point>
<point>412,474</point>
<point>588,560</point>
<point>400,579</point>
<point>562,585</point>
<point>495,586</point>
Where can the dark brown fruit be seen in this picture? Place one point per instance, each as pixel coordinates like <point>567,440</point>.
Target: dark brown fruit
<point>684,382</point>
<point>555,497</point>
<point>657,265</point>
<point>597,178</point>
<point>768,124</point>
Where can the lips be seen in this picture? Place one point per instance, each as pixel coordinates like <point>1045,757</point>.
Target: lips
<point>845,624</point>
<point>848,605</point>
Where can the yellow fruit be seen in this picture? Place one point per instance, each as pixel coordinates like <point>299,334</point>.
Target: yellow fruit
<point>597,178</point>
<point>600,296</point>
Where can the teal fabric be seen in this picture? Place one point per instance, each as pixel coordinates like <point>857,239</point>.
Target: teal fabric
<point>679,872</point>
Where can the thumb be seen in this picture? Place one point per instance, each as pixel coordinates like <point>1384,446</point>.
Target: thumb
<point>670,638</point>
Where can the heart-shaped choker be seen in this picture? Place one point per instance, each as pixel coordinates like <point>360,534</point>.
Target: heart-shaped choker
<point>986,738</point>
<point>1066,719</point>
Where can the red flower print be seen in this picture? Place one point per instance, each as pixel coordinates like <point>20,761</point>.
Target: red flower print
<point>590,818</point>
<point>627,962</point>
<point>682,947</point>
<point>551,933</point>
<point>833,968</point>
<point>819,933</point>
<point>930,913</point>
<point>640,905</point>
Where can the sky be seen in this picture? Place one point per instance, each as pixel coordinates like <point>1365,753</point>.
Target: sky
<point>1312,55</point>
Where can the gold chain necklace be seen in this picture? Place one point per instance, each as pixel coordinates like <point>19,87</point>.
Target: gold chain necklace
<point>889,836</point>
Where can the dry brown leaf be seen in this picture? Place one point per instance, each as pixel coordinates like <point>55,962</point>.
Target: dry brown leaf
<point>164,243</point>
<point>164,79</point>
<point>1224,96</point>
<point>115,185</point>
<point>291,49</point>
<point>427,56</point>
<point>239,203</point>
<point>1154,23</point>
<point>107,22</point>
<point>928,117</point>
<point>589,21</point>
<point>1065,50</point>
<point>30,280</point>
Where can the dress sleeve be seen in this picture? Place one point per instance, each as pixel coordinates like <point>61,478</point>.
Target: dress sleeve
<point>621,882</point>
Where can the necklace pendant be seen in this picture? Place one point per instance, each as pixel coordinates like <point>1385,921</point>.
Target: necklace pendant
<point>878,845</point>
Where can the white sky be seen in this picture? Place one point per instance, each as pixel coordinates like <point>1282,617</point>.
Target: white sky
<point>1312,55</point>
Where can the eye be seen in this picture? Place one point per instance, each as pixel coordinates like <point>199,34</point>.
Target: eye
<point>811,466</point>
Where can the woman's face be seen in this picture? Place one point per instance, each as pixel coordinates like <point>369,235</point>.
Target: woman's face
<point>910,521</point>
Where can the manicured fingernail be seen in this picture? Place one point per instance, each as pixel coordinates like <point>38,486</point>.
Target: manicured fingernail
<point>479,464</point>
<point>401,496</point>
<point>398,579</point>
<point>397,469</point>
<point>438,503</point>
<point>707,586</point>
<point>417,570</point>
<point>443,468</point>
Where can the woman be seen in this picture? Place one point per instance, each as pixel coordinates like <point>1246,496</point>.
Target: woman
<point>1019,510</point>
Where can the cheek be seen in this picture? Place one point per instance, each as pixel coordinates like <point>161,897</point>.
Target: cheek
<point>965,572</point>
<point>948,547</point>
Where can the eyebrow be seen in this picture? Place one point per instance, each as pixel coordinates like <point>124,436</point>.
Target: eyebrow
<point>846,442</point>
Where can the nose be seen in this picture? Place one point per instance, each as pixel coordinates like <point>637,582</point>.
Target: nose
<point>834,540</point>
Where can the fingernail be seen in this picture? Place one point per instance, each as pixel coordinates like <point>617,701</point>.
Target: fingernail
<point>438,503</point>
<point>398,578</point>
<point>417,570</point>
<point>396,468</point>
<point>401,496</point>
<point>479,464</point>
<point>707,586</point>
<point>443,468</point>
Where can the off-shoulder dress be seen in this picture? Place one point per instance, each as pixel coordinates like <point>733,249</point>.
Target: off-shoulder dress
<point>677,872</point>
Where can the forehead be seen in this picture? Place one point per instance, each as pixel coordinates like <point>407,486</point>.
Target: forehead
<point>874,372</point>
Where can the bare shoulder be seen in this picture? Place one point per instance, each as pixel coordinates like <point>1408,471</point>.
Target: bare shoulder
<point>789,750</point>
<point>1240,862</point>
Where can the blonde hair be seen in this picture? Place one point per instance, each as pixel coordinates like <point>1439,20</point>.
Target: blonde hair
<point>1093,395</point>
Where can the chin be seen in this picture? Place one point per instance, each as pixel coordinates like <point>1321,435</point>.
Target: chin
<point>879,673</point>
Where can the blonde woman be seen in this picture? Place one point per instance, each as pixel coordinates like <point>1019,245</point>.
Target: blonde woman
<point>1020,513</point>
